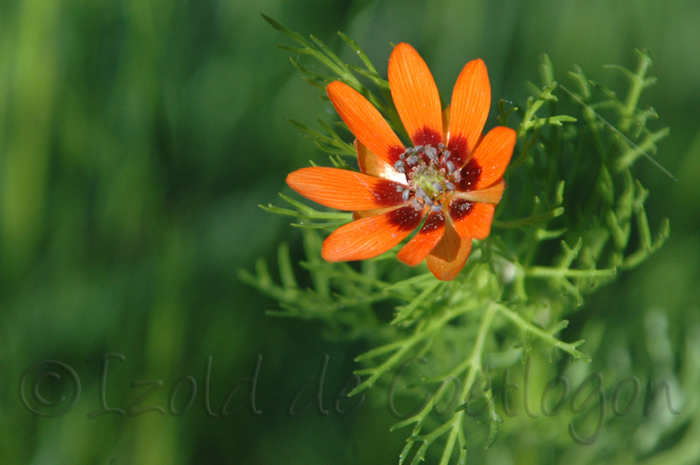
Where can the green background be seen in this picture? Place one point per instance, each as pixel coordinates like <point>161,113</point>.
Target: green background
<point>137,139</point>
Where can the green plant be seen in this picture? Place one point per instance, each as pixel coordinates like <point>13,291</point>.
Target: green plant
<point>572,218</point>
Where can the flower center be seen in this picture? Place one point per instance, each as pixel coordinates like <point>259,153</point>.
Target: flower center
<point>430,174</point>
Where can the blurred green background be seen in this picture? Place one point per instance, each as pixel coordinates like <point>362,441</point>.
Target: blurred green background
<point>137,138</point>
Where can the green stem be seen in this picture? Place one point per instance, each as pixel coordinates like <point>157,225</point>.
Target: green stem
<point>546,272</point>
<point>527,326</point>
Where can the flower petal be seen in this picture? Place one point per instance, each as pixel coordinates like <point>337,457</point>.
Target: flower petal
<point>359,214</point>
<point>472,219</point>
<point>490,194</point>
<point>369,237</point>
<point>365,122</point>
<point>493,155</point>
<point>375,166</point>
<point>446,123</point>
<point>448,257</point>
<point>422,243</point>
<point>344,189</point>
<point>470,176</point>
<point>415,95</point>
<point>471,99</point>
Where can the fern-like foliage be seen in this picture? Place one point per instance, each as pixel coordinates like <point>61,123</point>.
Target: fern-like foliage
<point>571,220</point>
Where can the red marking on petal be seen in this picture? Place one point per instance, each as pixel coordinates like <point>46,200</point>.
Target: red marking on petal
<point>422,243</point>
<point>369,237</point>
<point>395,152</point>
<point>459,150</point>
<point>493,154</point>
<point>460,208</point>
<point>426,136</point>
<point>405,218</point>
<point>472,220</point>
<point>470,175</point>
<point>471,99</point>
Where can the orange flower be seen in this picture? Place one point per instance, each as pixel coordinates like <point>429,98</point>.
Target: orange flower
<point>452,176</point>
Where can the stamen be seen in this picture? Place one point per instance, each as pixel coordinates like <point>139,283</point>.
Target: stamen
<point>413,159</point>
<point>399,188</point>
<point>416,204</point>
<point>429,175</point>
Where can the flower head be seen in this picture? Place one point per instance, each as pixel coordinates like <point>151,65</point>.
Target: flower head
<point>451,176</point>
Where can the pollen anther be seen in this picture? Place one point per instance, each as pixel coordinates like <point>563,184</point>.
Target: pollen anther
<point>428,173</point>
